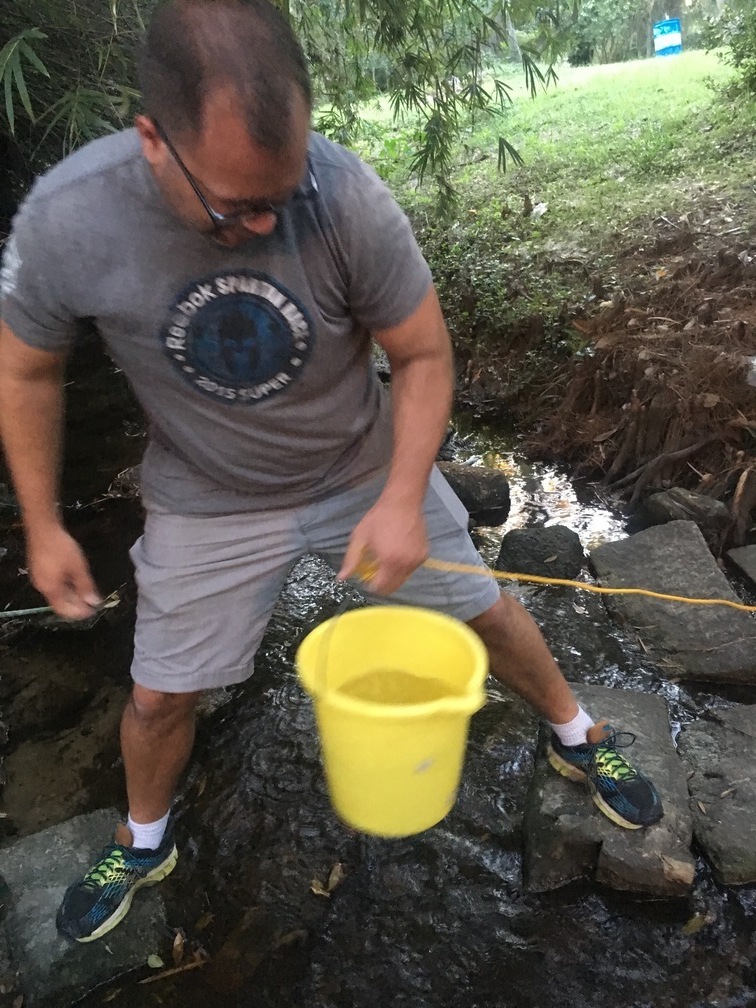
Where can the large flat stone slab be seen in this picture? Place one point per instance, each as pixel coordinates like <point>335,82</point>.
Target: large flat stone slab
<point>54,972</point>
<point>687,642</point>
<point>567,837</point>
<point>720,755</point>
<point>744,557</point>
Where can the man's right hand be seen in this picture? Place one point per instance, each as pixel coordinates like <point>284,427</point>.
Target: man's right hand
<point>31,423</point>
<point>59,570</point>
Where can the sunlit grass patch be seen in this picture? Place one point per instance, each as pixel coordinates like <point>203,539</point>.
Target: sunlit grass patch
<point>605,151</point>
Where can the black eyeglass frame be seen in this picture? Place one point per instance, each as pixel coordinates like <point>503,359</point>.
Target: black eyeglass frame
<point>219,220</point>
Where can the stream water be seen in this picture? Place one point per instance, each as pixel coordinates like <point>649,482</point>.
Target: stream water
<point>436,921</point>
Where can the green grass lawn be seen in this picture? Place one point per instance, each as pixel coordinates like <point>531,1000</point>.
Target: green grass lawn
<point>606,141</point>
<point>607,149</point>
<point>610,143</point>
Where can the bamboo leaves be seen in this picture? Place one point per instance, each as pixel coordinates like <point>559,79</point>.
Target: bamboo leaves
<point>12,56</point>
<point>86,113</point>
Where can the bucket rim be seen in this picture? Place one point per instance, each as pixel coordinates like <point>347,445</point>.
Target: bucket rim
<point>472,700</point>
<point>452,705</point>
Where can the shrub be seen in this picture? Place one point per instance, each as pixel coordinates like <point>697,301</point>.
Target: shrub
<point>735,28</point>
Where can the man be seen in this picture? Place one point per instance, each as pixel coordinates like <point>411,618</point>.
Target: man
<point>237,267</point>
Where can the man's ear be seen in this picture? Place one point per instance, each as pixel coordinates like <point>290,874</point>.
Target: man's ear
<point>153,147</point>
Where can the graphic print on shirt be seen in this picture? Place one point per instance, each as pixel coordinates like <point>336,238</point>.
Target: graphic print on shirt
<point>10,264</point>
<point>239,336</point>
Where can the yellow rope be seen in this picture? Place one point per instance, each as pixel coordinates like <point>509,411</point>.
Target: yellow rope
<point>445,565</point>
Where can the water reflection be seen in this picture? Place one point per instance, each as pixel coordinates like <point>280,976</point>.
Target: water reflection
<point>541,494</point>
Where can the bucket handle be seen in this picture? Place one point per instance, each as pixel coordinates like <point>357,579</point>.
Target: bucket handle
<point>366,570</point>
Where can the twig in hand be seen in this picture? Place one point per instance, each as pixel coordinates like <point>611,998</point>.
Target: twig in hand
<point>110,602</point>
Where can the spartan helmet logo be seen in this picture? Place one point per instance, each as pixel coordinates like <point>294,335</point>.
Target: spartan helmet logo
<point>240,336</point>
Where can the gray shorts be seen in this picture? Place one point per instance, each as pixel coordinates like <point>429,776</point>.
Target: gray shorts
<point>208,586</point>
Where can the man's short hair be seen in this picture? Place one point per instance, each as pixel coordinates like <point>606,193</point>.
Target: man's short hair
<point>194,46</point>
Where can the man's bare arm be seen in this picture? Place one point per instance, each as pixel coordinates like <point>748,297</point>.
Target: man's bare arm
<point>392,534</point>
<point>422,381</point>
<point>31,426</point>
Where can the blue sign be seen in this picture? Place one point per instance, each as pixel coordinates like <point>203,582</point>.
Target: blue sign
<point>668,37</point>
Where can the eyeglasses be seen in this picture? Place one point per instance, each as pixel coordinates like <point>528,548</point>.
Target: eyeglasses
<point>251,211</point>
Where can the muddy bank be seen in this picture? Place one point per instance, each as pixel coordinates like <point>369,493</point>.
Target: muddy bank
<point>658,392</point>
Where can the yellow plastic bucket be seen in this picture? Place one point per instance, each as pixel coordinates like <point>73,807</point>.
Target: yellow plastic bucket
<point>394,688</point>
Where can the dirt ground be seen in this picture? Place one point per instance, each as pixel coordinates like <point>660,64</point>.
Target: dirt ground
<point>659,395</point>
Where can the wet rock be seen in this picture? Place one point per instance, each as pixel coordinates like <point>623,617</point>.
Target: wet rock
<point>54,971</point>
<point>706,643</point>
<point>678,504</point>
<point>8,499</point>
<point>449,447</point>
<point>745,558</point>
<point>128,482</point>
<point>720,753</point>
<point>484,492</point>
<point>555,551</point>
<point>52,778</point>
<point>39,689</point>
<point>9,988</point>
<point>567,837</point>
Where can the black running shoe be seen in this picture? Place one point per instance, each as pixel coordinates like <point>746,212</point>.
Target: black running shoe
<point>93,906</point>
<point>624,794</point>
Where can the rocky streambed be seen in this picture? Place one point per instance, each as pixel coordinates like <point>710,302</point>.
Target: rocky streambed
<point>522,896</point>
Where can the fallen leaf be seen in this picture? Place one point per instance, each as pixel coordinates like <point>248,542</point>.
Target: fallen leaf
<point>178,947</point>
<point>204,920</point>
<point>317,887</point>
<point>336,877</point>
<point>605,436</point>
<point>710,400</point>
<point>607,341</point>
<point>702,807</point>
<point>155,962</point>
<point>550,559</point>
<point>293,936</point>
<point>729,791</point>
<point>694,925</point>
<point>18,1002</point>
<point>677,871</point>
<point>112,996</point>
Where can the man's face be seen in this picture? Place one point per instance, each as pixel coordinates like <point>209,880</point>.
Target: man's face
<point>232,172</point>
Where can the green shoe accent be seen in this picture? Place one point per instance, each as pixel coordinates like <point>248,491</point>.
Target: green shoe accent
<point>102,898</point>
<point>622,793</point>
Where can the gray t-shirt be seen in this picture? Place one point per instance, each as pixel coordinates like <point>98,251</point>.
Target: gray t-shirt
<point>253,365</point>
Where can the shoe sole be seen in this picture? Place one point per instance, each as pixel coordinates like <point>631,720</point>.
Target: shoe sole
<point>156,875</point>
<point>573,773</point>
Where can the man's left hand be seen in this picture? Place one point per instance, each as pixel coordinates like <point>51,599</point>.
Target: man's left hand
<point>386,547</point>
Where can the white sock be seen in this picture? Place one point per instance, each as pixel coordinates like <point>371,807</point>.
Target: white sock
<point>147,836</point>
<point>574,732</point>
